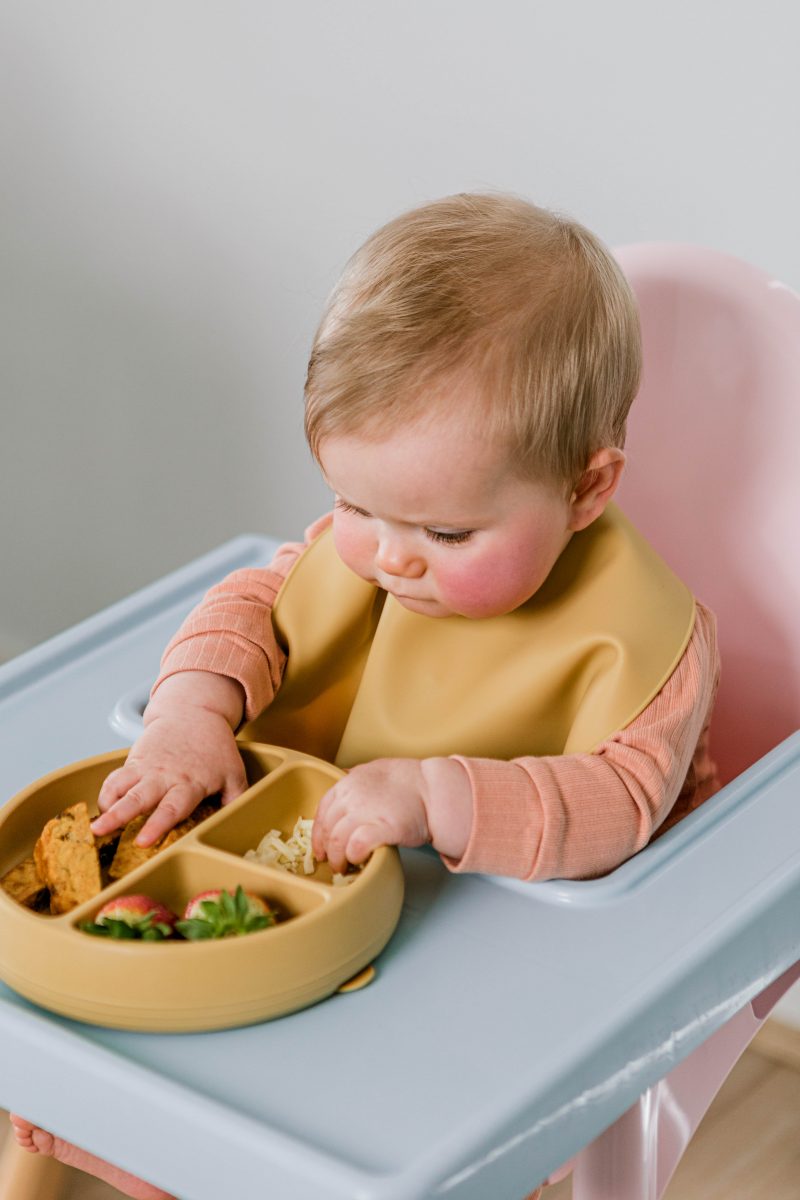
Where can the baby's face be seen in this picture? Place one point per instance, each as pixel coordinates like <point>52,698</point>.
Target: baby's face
<point>438,519</point>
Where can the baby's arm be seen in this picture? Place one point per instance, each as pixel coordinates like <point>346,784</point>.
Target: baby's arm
<point>567,816</point>
<point>223,664</point>
<point>576,816</point>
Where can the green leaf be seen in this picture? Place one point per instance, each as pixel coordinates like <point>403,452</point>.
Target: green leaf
<point>93,928</point>
<point>157,931</point>
<point>121,929</point>
<point>194,928</point>
<point>258,921</point>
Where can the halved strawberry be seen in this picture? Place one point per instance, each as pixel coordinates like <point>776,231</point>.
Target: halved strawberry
<point>217,914</point>
<point>131,917</point>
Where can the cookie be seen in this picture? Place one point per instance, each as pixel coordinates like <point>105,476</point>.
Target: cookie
<point>67,860</point>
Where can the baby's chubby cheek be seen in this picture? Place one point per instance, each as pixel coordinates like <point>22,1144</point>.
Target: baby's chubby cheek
<point>487,588</point>
<point>353,548</point>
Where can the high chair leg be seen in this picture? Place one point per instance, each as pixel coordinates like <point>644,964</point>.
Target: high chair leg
<point>25,1176</point>
<point>636,1156</point>
<point>620,1164</point>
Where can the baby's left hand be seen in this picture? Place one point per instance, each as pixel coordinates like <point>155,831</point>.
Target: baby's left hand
<point>379,803</point>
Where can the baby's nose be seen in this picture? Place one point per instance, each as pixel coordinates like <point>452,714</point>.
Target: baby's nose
<point>396,557</point>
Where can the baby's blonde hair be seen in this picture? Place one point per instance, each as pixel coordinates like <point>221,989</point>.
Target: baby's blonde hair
<point>526,305</point>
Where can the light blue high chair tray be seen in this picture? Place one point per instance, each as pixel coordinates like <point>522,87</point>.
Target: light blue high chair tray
<point>507,1026</point>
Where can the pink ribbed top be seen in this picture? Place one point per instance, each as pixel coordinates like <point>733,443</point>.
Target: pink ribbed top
<point>567,816</point>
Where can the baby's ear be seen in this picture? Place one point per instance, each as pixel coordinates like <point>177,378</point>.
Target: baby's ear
<point>596,486</point>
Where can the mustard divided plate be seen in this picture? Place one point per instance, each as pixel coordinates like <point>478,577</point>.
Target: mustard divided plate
<point>325,930</point>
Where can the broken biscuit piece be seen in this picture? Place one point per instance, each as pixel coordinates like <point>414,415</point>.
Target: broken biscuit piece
<point>129,856</point>
<point>24,884</point>
<point>67,860</point>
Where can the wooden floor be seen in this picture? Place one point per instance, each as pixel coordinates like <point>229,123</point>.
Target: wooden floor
<point>748,1147</point>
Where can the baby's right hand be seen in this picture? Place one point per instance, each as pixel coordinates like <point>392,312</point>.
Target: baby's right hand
<point>179,760</point>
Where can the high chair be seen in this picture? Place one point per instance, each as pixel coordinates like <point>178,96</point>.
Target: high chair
<point>712,481</point>
<point>510,1024</point>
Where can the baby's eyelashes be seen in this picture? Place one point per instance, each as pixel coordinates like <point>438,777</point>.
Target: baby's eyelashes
<point>449,539</point>
<point>455,537</point>
<point>345,506</point>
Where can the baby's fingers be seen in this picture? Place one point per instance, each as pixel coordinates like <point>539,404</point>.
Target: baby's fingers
<point>177,803</point>
<point>23,1131</point>
<point>352,840</point>
<point>364,840</point>
<point>116,785</point>
<point>140,797</point>
<point>331,809</point>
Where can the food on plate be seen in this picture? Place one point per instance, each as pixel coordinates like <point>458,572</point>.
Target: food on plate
<point>218,914</point>
<point>128,855</point>
<point>106,849</point>
<point>211,914</point>
<point>291,854</point>
<point>132,917</point>
<point>70,865</point>
<point>67,860</point>
<point>24,884</point>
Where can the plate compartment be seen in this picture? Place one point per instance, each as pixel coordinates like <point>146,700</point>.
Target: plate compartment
<point>327,933</point>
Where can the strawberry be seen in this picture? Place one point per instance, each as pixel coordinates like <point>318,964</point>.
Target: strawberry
<point>218,914</point>
<point>132,917</point>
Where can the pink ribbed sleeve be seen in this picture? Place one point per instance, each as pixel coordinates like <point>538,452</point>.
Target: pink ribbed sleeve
<point>230,632</point>
<point>575,816</point>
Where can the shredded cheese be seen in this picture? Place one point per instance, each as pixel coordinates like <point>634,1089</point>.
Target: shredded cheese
<point>291,854</point>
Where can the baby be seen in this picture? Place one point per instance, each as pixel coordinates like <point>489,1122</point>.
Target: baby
<point>503,666</point>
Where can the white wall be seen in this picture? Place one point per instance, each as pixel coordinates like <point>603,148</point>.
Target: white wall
<point>182,181</point>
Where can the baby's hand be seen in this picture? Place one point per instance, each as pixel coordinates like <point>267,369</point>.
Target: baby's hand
<point>179,760</point>
<point>381,803</point>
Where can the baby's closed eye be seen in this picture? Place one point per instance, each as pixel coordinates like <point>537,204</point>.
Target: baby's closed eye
<point>345,506</point>
<point>449,539</point>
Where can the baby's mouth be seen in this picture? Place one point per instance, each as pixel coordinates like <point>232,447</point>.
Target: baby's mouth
<point>413,599</point>
<point>404,597</point>
<point>394,592</point>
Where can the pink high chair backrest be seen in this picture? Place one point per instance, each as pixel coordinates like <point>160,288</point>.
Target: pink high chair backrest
<point>713,475</point>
